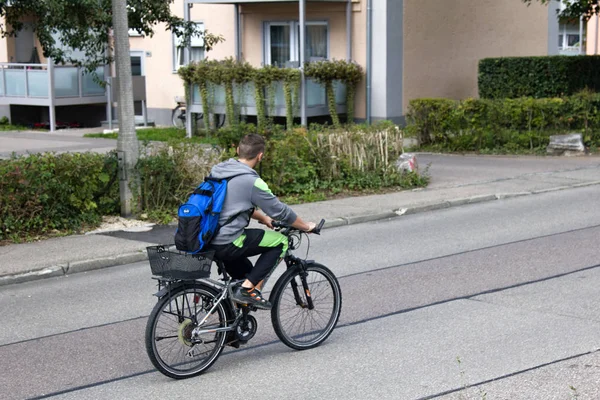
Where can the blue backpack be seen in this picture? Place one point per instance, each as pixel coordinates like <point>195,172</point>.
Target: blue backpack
<point>199,217</point>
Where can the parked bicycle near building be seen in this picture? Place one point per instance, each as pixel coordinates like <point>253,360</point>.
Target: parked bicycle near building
<point>179,115</point>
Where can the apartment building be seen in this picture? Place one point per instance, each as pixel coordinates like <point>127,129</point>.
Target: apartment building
<point>408,49</point>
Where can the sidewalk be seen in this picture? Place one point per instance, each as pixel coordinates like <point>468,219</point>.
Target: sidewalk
<point>456,181</point>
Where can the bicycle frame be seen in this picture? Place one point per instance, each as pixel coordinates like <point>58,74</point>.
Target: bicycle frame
<point>226,290</point>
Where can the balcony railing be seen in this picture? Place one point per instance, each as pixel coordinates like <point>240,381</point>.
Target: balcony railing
<point>29,84</point>
<point>569,51</point>
<point>316,99</point>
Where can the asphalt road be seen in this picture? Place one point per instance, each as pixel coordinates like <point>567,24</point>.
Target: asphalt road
<point>509,288</point>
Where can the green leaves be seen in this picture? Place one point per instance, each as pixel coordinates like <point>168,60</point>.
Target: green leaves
<point>514,125</point>
<point>230,72</point>
<point>539,77</point>
<point>573,8</point>
<point>326,73</point>
<point>86,25</point>
<point>41,192</point>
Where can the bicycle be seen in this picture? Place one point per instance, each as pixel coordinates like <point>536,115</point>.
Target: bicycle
<point>179,115</point>
<point>195,317</point>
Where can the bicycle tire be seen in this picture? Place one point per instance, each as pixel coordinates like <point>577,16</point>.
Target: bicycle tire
<point>220,120</point>
<point>279,317</point>
<point>182,331</point>
<point>178,116</point>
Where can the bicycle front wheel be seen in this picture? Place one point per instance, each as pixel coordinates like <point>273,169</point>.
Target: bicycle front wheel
<point>169,340</point>
<point>299,322</point>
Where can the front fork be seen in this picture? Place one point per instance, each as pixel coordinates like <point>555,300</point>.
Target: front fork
<point>301,265</point>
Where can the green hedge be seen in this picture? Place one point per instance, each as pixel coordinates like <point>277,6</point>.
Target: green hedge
<point>522,124</point>
<point>299,165</point>
<point>40,194</point>
<point>44,193</point>
<point>538,77</point>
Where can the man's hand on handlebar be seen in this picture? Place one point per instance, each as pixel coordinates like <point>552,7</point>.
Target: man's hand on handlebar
<point>267,221</point>
<point>309,227</point>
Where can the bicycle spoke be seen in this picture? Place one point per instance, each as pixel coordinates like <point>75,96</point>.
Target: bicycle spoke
<point>174,350</point>
<point>297,324</point>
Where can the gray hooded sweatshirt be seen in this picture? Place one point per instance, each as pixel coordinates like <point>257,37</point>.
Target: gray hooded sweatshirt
<point>245,191</point>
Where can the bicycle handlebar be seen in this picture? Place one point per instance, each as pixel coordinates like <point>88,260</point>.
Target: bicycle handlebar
<point>316,230</point>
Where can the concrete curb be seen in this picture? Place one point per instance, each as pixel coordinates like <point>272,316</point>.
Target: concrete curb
<point>73,267</point>
<point>122,259</point>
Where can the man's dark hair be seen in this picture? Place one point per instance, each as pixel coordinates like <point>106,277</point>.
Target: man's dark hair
<point>251,145</point>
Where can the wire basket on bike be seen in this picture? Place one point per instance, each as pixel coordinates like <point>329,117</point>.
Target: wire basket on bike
<point>169,263</point>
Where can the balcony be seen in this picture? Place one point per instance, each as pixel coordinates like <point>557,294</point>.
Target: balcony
<point>570,51</point>
<point>316,100</point>
<point>30,84</point>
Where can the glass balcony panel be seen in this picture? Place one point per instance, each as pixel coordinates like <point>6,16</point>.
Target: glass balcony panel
<point>279,94</point>
<point>37,83</point>
<point>196,98</point>
<point>218,95</point>
<point>15,82</point>
<point>90,86</point>
<point>1,83</point>
<point>340,93</point>
<point>244,95</point>
<point>66,82</point>
<point>315,94</point>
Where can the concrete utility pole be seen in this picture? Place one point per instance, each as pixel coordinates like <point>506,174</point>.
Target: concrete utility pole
<point>127,144</point>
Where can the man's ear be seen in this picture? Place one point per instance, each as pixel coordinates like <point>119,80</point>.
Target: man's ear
<point>260,156</point>
<point>237,150</point>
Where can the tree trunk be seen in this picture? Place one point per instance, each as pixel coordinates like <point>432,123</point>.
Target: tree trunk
<point>127,144</point>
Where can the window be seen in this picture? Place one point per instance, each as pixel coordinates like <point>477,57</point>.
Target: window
<point>573,40</point>
<point>569,39</point>
<point>282,42</point>
<point>197,49</point>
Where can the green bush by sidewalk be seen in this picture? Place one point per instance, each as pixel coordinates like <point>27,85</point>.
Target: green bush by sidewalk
<point>505,125</point>
<point>538,77</point>
<point>301,165</point>
<point>42,194</point>
<point>45,193</point>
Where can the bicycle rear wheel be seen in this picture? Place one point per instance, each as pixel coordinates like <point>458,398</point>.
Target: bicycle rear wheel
<point>297,324</point>
<point>178,116</point>
<point>169,329</point>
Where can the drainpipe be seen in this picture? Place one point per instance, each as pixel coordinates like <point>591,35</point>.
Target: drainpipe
<point>369,56</point>
<point>303,116</point>
<point>596,36</point>
<point>581,35</point>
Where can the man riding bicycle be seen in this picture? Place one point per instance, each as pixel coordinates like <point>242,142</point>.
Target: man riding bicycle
<point>234,243</point>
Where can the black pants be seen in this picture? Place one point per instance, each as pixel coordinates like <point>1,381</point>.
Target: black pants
<point>270,245</point>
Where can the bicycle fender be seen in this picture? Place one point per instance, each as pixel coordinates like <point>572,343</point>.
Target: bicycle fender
<point>168,288</point>
<point>176,285</point>
<point>163,291</point>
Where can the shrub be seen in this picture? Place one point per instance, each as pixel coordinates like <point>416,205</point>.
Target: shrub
<point>300,162</point>
<point>170,174</point>
<point>522,124</point>
<point>430,120</point>
<point>41,193</point>
<point>538,77</point>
